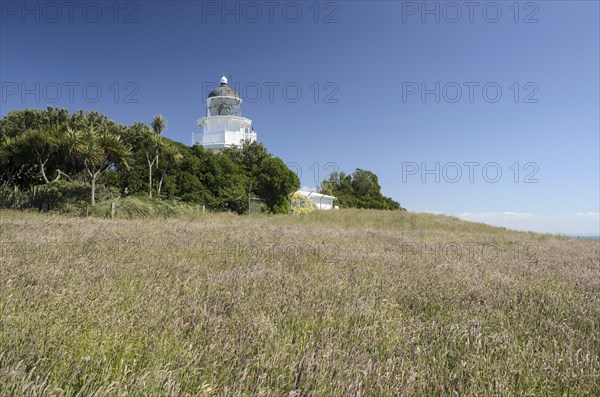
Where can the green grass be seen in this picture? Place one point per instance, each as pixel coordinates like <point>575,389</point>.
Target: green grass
<point>340,303</point>
<point>136,207</point>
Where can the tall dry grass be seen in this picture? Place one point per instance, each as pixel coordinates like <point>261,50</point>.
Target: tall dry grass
<point>343,303</point>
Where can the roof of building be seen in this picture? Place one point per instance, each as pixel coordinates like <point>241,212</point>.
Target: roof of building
<point>224,90</point>
<point>316,195</point>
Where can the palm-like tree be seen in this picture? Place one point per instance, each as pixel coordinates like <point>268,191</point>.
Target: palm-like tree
<point>12,158</point>
<point>154,146</point>
<point>45,144</point>
<point>159,123</point>
<point>98,150</point>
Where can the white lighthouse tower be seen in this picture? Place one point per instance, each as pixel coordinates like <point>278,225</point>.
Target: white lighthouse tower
<point>224,125</point>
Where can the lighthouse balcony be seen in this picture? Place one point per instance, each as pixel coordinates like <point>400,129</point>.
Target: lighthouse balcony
<point>226,138</point>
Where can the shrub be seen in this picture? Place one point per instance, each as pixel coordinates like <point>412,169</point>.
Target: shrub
<point>60,195</point>
<point>63,196</point>
<point>14,198</point>
<point>136,207</point>
<point>301,205</point>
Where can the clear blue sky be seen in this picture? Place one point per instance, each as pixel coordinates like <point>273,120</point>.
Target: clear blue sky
<point>361,67</point>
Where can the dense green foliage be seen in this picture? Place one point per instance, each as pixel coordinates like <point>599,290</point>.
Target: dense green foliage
<point>52,147</point>
<point>359,190</point>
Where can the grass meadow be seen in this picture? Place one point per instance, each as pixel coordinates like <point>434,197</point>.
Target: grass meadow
<point>340,303</point>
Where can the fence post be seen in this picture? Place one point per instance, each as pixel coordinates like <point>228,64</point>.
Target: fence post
<point>112,210</point>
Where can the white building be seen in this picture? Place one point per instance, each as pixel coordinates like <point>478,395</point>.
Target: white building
<point>224,125</point>
<point>321,201</point>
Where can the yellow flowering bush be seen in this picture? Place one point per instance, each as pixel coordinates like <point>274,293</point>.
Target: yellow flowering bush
<point>301,205</point>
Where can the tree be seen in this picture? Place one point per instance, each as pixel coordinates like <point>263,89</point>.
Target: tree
<point>359,190</point>
<point>98,149</point>
<point>171,157</point>
<point>152,145</point>
<point>39,137</point>
<point>44,143</point>
<point>12,158</point>
<point>159,123</point>
<point>271,179</point>
<point>18,122</point>
<point>275,184</point>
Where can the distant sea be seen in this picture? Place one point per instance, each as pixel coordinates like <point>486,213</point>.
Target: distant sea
<point>588,237</point>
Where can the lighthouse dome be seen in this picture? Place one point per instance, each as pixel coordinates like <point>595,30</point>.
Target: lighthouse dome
<point>224,90</point>
<point>224,101</point>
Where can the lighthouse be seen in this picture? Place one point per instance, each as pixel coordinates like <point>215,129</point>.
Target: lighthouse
<point>224,125</point>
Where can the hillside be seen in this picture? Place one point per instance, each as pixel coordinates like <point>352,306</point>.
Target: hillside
<point>349,302</point>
